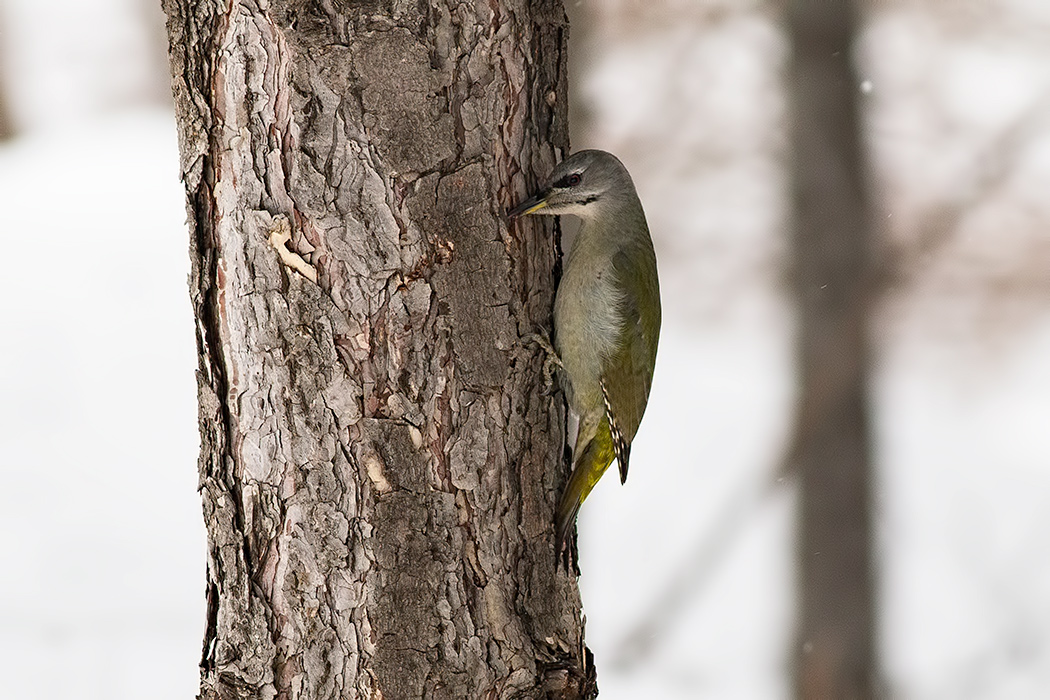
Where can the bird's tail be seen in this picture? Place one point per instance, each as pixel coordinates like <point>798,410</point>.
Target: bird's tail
<point>596,457</point>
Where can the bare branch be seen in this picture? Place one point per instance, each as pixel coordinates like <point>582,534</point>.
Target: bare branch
<point>690,581</point>
<point>902,264</point>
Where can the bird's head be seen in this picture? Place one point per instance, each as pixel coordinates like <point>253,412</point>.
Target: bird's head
<point>582,184</point>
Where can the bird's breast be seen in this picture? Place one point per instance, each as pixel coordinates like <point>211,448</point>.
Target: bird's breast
<point>587,326</point>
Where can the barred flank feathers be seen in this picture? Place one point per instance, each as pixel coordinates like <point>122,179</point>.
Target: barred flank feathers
<point>620,443</point>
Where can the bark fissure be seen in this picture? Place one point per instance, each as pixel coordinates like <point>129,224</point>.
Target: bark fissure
<point>378,470</point>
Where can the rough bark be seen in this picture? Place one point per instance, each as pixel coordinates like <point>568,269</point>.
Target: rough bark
<point>378,467</point>
<point>832,245</point>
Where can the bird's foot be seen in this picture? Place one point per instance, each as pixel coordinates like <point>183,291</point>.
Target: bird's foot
<point>550,362</point>
<point>567,555</point>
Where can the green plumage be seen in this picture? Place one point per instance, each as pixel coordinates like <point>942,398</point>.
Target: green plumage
<point>606,317</point>
<point>625,378</point>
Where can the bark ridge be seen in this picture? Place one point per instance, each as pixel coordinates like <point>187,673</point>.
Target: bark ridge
<point>378,468</point>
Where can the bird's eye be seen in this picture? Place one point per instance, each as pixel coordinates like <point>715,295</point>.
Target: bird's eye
<point>568,181</point>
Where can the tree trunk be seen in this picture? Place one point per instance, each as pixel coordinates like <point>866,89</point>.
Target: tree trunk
<point>832,274</point>
<point>378,467</point>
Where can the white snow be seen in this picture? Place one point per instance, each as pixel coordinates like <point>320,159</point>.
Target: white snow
<point>103,546</point>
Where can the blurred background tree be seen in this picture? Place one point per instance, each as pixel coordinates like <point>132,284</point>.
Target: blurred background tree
<point>830,454</point>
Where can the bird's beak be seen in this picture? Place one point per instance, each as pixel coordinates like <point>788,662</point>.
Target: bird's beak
<point>529,206</point>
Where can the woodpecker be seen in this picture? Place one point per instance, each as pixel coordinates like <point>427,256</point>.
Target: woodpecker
<point>606,316</point>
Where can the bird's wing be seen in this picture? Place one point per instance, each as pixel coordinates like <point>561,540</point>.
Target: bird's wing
<point>627,374</point>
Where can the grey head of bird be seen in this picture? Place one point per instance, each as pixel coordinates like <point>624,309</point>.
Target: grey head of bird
<point>584,184</point>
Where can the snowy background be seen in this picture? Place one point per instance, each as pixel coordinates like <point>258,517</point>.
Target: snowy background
<point>102,574</point>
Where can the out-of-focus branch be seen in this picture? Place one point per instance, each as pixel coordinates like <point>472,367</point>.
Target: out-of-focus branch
<point>151,20</point>
<point>692,578</point>
<point>7,127</point>
<point>903,263</point>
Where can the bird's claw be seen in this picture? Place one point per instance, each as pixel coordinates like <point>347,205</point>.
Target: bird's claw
<point>567,555</point>
<point>550,362</point>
